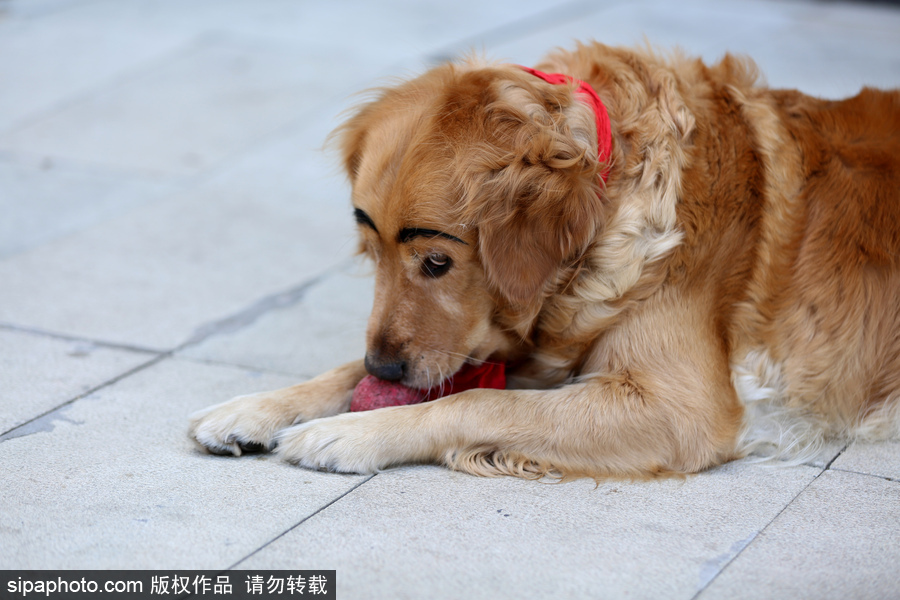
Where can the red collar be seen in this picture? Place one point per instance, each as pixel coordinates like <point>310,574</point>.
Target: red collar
<point>604,129</point>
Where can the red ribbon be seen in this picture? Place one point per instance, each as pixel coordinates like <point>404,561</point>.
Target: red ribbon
<point>604,129</point>
<point>469,377</point>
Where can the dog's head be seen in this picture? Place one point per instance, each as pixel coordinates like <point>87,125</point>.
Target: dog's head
<point>472,186</point>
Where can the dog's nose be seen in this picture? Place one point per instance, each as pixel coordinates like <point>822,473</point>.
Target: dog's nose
<point>385,369</point>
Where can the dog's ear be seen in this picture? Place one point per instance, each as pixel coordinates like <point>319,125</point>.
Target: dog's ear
<point>350,137</point>
<point>539,201</point>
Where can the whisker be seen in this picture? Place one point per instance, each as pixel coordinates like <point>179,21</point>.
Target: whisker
<point>464,356</point>
<point>443,381</point>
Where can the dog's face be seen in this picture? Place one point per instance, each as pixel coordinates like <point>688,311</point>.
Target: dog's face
<point>469,190</point>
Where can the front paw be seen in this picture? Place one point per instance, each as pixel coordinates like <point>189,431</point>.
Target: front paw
<point>347,443</point>
<point>244,424</point>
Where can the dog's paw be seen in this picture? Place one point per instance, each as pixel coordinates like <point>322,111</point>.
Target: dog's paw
<point>244,424</point>
<point>347,443</point>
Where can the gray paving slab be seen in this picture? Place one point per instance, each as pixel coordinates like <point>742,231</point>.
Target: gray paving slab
<point>881,459</point>
<point>837,540</point>
<point>19,9</point>
<point>383,33</point>
<point>428,532</point>
<point>39,373</point>
<point>53,55</point>
<point>324,329</point>
<point>823,49</point>
<point>42,201</point>
<point>155,275</point>
<point>145,32</point>
<point>116,483</point>
<point>827,53</point>
<point>192,111</point>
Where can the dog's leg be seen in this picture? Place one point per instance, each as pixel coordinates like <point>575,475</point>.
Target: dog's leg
<point>249,423</point>
<point>608,426</point>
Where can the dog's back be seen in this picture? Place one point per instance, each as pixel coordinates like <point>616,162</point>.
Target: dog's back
<point>789,210</point>
<point>826,300</point>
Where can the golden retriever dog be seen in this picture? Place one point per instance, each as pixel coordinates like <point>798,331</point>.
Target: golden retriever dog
<point>677,264</point>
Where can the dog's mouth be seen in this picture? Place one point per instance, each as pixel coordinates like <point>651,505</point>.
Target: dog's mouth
<point>480,374</point>
<point>431,377</point>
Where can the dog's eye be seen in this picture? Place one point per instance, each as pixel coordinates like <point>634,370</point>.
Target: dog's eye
<point>435,264</point>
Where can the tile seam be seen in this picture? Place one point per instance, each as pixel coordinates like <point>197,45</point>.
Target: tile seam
<point>213,362</point>
<point>836,456</point>
<point>11,433</point>
<point>753,539</point>
<point>35,331</point>
<point>302,521</point>
<point>252,312</point>
<point>873,475</point>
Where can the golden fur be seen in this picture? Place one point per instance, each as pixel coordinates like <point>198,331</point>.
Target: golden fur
<point>735,285</point>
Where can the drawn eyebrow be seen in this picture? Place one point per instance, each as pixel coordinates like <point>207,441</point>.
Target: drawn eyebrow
<point>411,233</point>
<point>363,219</point>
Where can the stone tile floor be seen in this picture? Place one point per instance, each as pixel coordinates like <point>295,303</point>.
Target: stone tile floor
<point>172,234</point>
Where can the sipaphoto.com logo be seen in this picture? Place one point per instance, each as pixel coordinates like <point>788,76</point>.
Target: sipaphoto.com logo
<point>62,586</point>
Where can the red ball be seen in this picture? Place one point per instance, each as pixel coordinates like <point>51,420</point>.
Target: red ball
<point>372,393</point>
